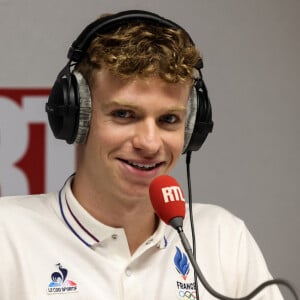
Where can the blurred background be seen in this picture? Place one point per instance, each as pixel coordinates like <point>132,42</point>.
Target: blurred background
<point>249,164</point>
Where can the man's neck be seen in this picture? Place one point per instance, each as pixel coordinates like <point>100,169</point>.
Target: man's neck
<point>137,219</point>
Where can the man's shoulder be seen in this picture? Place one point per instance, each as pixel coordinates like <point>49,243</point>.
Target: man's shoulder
<point>214,214</point>
<point>21,205</point>
<point>24,199</point>
<point>212,209</point>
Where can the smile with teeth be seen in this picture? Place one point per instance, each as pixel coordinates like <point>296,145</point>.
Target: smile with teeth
<point>141,166</point>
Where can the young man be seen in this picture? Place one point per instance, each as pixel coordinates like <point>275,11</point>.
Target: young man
<point>127,105</point>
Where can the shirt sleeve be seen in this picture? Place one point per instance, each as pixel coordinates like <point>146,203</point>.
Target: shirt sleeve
<point>252,269</point>
<point>230,258</point>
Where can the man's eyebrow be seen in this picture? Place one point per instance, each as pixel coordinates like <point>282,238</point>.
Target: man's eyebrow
<point>177,108</point>
<point>120,103</point>
<point>128,104</point>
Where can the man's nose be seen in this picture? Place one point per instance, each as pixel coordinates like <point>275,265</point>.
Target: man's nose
<point>147,136</point>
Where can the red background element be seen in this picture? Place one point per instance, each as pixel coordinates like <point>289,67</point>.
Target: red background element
<point>33,162</point>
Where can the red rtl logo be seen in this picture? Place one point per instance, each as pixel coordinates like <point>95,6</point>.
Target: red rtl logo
<point>172,193</point>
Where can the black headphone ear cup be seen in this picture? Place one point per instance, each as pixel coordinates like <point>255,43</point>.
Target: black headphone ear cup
<point>199,118</point>
<point>63,108</point>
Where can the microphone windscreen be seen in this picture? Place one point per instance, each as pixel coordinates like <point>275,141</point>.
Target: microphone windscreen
<point>167,198</point>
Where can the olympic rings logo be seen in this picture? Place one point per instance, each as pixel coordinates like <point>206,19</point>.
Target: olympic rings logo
<point>187,295</point>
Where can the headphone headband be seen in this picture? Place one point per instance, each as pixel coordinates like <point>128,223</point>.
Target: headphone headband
<point>110,22</point>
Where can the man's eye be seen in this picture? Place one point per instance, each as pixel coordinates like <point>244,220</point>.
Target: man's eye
<point>170,119</point>
<point>122,114</point>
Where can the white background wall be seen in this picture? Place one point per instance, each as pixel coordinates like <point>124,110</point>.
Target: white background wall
<point>250,164</point>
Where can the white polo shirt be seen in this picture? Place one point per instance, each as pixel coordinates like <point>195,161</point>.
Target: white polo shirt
<point>51,248</point>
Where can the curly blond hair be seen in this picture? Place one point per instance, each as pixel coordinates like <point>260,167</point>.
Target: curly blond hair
<point>142,50</point>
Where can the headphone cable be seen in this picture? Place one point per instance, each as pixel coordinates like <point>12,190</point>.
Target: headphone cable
<point>188,161</point>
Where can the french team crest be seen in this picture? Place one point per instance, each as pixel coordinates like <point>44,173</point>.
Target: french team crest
<point>181,263</point>
<point>60,283</point>
<point>185,290</point>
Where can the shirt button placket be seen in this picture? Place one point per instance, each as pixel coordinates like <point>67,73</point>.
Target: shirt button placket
<point>131,286</point>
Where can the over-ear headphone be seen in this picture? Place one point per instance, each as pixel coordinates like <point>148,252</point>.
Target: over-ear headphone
<point>69,103</point>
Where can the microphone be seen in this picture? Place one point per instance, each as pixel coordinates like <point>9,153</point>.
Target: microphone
<point>168,201</point>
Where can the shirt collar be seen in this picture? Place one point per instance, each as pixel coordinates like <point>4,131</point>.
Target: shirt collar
<point>92,232</point>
